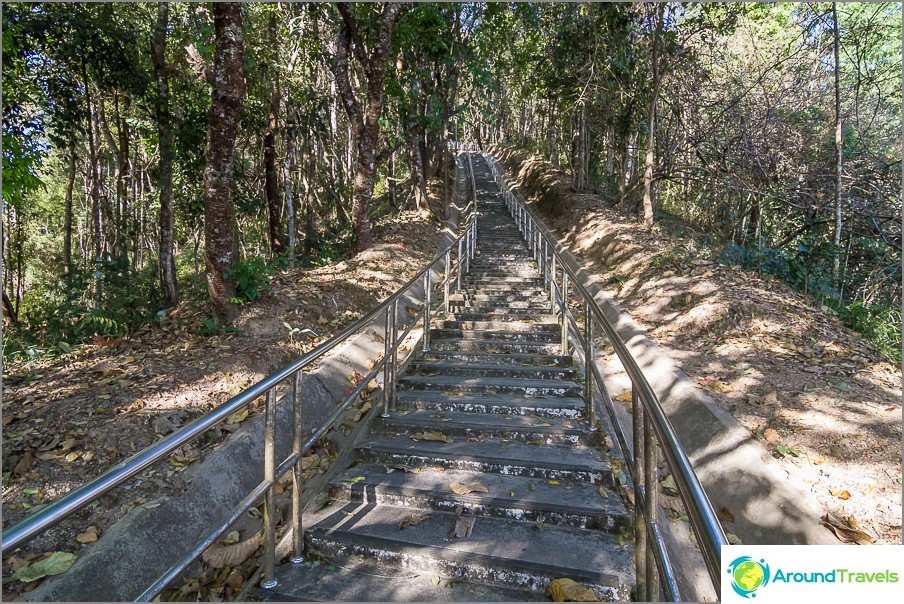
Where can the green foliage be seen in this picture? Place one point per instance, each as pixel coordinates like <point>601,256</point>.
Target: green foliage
<point>57,315</point>
<point>252,277</point>
<point>212,328</point>
<point>881,325</point>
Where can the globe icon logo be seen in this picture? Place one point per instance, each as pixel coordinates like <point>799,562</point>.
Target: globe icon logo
<point>748,575</point>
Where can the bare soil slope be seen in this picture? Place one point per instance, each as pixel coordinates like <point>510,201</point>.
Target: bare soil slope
<point>812,392</point>
<point>67,419</point>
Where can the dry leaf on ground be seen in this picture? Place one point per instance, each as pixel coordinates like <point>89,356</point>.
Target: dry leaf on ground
<point>462,488</point>
<point>567,590</point>
<point>844,532</point>
<point>221,556</point>
<point>464,526</point>
<point>412,520</point>
<point>437,436</point>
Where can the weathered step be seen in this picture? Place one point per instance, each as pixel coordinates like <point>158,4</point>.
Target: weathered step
<point>499,302</point>
<point>521,325</point>
<point>496,346</point>
<point>533,280</point>
<point>490,385</point>
<point>492,271</point>
<point>507,315</point>
<point>477,369</point>
<point>549,462</point>
<point>504,552</point>
<point>368,581</point>
<point>497,335</point>
<point>503,288</point>
<point>557,360</point>
<point>530,429</point>
<point>577,505</point>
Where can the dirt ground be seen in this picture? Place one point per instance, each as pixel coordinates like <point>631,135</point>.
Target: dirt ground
<point>815,394</point>
<point>68,419</point>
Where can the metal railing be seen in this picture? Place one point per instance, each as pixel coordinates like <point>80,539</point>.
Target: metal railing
<point>652,430</point>
<point>293,376</point>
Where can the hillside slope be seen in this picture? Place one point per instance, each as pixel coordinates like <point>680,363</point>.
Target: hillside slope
<point>814,393</point>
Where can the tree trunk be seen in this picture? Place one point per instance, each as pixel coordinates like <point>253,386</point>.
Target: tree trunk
<point>166,260</point>
<point>271,184</point>
<point>417,171</point>
<point>287,187</point>
<point>579,155</point>
<point>364,121</point>
<point>95,198</point>
<point>219,179</point>
<point>553,134</point>
<point>651,122</point>
<point>67,212</point>
<point>836,253</point>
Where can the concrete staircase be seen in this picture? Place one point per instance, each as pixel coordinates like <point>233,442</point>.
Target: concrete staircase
<point>494,385</point>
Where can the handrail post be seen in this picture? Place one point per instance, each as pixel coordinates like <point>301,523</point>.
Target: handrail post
<point>389,336</point>
<point>564,311</point>
<point>448,278</point>
<point>640,525</point>
<point>395,352</point>
<point>588,363</point>
<point>651,503</point>
<point>427,287</point>
<point>270,497</point>
<point>297,473</point>
<point>474,236</point>
<point>552,286</point>
<point>458,272</point>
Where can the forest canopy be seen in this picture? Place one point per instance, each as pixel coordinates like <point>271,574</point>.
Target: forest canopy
<point>154,151</point>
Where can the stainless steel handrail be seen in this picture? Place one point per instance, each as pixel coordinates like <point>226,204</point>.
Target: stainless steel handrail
<point>82,496</point>
<point>649,418</point>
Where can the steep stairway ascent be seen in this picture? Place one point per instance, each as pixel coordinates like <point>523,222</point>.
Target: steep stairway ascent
<point>519,491</point>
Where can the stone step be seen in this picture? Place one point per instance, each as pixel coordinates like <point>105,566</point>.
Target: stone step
<point>494,335</point>
<point>499,301</point>
<point>370,581</point>
<point>534,280</point>
<point>495,346</point>
<point>504,552</point>
<point>506,314</point>
<point>476,369</point>
<point>560,407</point>
<point>575,463</point>
<point>512,325</point>
<point>454,384</point>
<point>577,505</point>
<point>498,359</point>
<point>531,429</point>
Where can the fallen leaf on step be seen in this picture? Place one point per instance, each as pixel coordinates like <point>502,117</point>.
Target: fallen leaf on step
<point>733,539</point>
<point>462,488</point>
<point>603,492</point>
<point>437,436</point>
<point>221,556</point>
<point>624,397</point>
<point>364,409</point>
<point>567,590</point>
<point>771,435</point>
<point>55,564</point>
<point>463,527</point>
<point>840,494</point>
<point>237,417</point>
<point>412,520</point>
<point>89,536</point>
<point>725,515</point>
<point>844,532</point>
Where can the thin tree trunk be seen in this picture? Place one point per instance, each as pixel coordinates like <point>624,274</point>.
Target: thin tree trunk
<point>364,120</point>
<point>95,198</point>
<point>287,186</point>
<point>166,258</point>
<point>271,184</point>
<point>836,259</point>
<point>67,213</point>
<point>553,134</point>
<point>219,180</point>
<point>651,122</point>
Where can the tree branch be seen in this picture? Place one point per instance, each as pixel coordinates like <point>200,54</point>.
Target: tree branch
<point>351,25</point>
